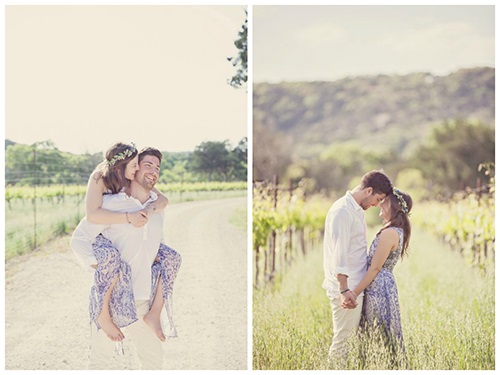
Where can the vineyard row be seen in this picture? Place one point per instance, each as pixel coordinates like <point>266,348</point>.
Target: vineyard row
<point>466,224</point>
<point>60,191</point>
<point>286,225</point>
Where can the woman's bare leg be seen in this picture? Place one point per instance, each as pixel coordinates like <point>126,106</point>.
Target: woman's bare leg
<point>152,318</point>
<point>104,319</point>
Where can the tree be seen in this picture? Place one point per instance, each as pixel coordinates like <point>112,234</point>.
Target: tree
<point>19,164</point>
<point>174,167</point>
<point>36,164</point>
<point>451,158</point>
<point>211,158</point>
<point>337,166</point>
<point>271,152</point>
<point>8,143</point>
<point>42,163</point>
<point>240,61</point>
<point>239,156</point>
<point>219,162</point>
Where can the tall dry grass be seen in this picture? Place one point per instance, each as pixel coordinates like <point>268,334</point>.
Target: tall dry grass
<point>447,311</point>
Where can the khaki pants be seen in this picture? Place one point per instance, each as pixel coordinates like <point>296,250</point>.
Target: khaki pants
<point>345,323</point>
<point>149,346</point>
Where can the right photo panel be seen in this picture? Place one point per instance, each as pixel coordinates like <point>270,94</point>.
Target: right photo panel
<point>373,187</point>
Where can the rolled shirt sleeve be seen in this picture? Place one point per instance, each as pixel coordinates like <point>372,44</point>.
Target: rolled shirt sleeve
<point>340,237</point>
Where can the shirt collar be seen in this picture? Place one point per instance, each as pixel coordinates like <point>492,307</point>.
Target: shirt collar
<point>122,195</point>
<point>152,196</point>
<point>352,201</point>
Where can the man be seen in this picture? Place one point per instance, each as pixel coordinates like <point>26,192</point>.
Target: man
<point>345,258</point>
<point>138,249</point>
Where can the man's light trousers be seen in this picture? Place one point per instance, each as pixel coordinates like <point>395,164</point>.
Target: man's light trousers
<point>149,346</point>
<point>345,323</point>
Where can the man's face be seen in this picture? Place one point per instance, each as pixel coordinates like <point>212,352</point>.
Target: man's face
<point>371,200</point>
<point>149,171</point>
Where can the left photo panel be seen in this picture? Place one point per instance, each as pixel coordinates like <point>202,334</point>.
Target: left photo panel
<point>126,187</point>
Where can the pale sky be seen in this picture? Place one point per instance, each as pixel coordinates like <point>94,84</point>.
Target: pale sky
<point>88,76</point>
<point>307,43</point>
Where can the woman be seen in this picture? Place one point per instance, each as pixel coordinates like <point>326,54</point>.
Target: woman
<point>381,313</point>
<point>110,177</point>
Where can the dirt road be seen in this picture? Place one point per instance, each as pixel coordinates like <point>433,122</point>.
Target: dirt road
<point>46,294</point>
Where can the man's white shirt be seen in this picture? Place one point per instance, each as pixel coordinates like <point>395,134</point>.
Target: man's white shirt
<point>344,247</point>
<point>138,246</point>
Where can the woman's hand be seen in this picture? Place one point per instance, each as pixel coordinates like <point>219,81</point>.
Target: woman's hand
<point>347,304</point>
<point>349,300</point>
<point>150,209</point>
<point>138,219</point>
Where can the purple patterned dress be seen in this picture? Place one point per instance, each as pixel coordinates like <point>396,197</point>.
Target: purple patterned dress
<point>122,304</point>
<point>381,314</point>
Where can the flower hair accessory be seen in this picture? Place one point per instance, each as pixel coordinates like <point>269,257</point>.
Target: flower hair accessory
<point>123,155</point>
<point>402,202</point>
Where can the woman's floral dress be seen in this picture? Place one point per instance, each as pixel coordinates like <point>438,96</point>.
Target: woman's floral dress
<point>381,313</point>
<point>122,306</point>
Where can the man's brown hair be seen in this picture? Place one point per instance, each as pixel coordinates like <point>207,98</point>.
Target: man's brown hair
<point>150,151</point>
<point>377,180</point>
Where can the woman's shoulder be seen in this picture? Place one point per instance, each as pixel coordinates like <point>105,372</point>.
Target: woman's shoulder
<point>393,228</point>
<point>96,180</point>
<point>391,233</point>
<point>96,175</point>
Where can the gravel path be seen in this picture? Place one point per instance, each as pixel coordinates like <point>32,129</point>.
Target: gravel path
<point>46,295</point>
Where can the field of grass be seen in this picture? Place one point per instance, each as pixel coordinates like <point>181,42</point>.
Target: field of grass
<point>239,218</point>
<point>177,197</point>
<point>447,311</point>
<point>28,226</point>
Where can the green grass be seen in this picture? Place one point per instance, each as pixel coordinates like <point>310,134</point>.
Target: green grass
<point>188,196</point>
<point>447,308</point>
<point>52,218</point>
<point>55,217</point>
<point>239,218</point>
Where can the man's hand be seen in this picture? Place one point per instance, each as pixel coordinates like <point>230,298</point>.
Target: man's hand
<point>348,300</point>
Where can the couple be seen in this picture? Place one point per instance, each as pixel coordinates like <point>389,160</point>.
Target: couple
<point>121,239</point>
<point>360,284</point>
